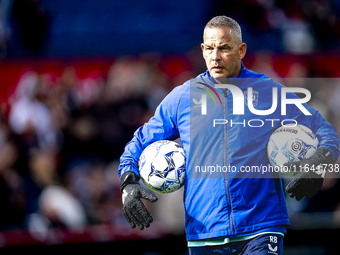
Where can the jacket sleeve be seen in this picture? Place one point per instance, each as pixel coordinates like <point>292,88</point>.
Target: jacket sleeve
<point>325,132</point>
<point>162,126</point>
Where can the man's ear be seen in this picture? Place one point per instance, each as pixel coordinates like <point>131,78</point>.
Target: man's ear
<point>242,50</point>
<point>202,47</point>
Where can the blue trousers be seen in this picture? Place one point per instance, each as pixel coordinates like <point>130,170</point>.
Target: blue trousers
<point>266,244</point>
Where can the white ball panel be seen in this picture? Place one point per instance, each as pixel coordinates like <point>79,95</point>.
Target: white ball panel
<point>289,144</point>
<point>159,165</point>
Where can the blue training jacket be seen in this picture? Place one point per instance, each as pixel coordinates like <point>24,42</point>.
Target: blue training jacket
<point>219,202</point>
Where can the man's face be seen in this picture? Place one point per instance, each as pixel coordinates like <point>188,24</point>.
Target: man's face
<point>222,52</point>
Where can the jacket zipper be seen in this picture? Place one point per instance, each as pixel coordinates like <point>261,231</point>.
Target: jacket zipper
<point>225,162</point>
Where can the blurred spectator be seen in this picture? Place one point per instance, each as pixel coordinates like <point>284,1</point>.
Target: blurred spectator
<point>61,208</point>
<point>32,23</point>
<point>264,64</point>
<point>12,193</point>
<point>57,208</point>
<point>325,21</point>
<point>30,116</point>
<point>3,35</point>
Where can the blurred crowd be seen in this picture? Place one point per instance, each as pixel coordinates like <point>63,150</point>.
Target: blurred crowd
<point>61,138</point>
<point>34,28</point>
<point>61,135</point>
<point>296,26</point>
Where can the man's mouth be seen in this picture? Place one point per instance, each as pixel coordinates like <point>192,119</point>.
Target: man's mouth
<point>217,68</point>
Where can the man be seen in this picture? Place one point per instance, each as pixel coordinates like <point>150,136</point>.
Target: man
<point>227,212</point>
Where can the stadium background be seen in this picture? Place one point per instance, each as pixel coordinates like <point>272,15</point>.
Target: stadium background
<point>78,77</point>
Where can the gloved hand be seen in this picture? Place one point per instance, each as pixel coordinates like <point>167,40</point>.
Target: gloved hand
<point>133,208</point>
<point>308,182</point>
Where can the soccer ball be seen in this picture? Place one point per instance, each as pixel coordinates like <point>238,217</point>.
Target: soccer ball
<point>162,166</point>
<point>290,144</point>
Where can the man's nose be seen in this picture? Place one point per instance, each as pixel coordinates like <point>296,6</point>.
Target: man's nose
<point>216,55</point>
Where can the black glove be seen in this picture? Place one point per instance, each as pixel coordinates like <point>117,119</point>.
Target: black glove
<point>133,208</point>
<point>309,180</point>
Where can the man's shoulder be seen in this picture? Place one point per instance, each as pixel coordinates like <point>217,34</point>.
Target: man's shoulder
<point>262,79</point>
<point>177,92</point>
<point>180,89</point>
<point>186,85</point>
